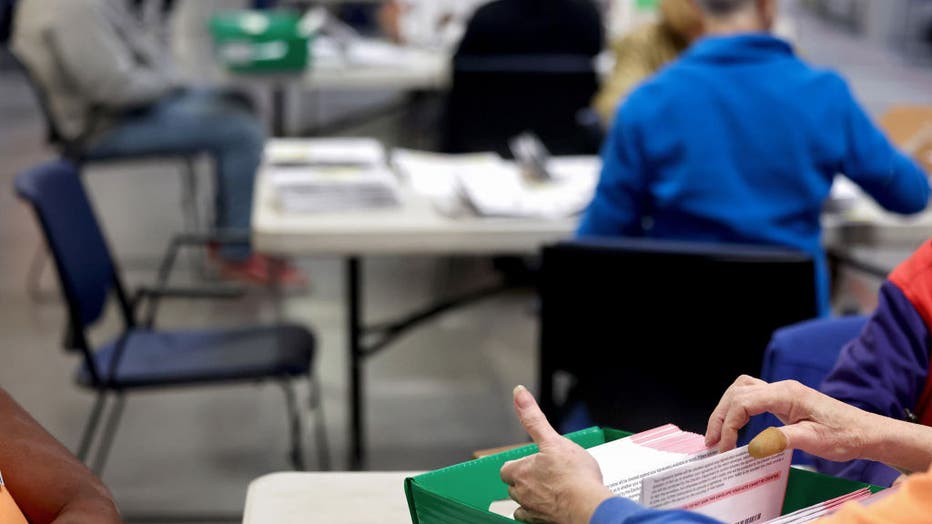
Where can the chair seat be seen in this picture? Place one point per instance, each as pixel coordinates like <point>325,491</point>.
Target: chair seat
<point>187,357</point>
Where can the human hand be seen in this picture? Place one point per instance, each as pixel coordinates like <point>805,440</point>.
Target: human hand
<point>815,423</point>
<point>562,483</point>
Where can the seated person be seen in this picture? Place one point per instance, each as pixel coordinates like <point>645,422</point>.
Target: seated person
<point>645,50</point>
<point>426,23</point>
<point>44,479</point>
<point>886,369</point>
<point>738,141</point>
<point>524,66</point>
<point>562,484</point>
<point>112,92</point>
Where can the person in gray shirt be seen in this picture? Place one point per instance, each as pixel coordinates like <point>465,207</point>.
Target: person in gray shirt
<point>112,91</point>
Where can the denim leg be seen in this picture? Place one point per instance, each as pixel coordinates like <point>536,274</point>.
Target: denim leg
<point>193,122</point>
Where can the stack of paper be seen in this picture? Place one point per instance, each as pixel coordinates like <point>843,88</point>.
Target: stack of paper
<point>828,507</point>
<point>495,187</point>
<point>666,468</point>
<point>330,175</point>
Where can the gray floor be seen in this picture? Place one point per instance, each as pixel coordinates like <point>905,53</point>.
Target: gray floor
<point>439,393</point>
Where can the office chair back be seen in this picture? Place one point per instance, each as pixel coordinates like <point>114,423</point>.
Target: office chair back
<point>82,257</point>
<point>805,352</point>
<point>655,331</point>
<point>494,98</point>
<point>7,11</point>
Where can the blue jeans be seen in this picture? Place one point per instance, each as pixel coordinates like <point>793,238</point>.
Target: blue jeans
<point>190,122</point>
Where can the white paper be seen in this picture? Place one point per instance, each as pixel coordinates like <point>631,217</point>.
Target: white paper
<point>325,152</point>
<point>731,487</point>
<point>309,190</point>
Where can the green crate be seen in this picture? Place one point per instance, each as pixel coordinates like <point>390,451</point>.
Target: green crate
<point>260,41</point>
<point>461,494</point>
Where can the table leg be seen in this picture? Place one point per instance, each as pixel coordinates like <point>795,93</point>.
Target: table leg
<point>279,98</point>
<point>354,334</point>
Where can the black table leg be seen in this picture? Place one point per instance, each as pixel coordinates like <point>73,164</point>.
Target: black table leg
<point>354,333</point>
<point>278,111</point>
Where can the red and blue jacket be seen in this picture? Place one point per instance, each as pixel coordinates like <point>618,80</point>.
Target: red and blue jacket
<point>886,369</point>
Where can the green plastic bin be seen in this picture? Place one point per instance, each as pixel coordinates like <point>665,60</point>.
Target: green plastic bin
<point>461,494</point>
<point>260,41</point>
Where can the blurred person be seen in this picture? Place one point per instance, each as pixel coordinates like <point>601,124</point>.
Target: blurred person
<point>114,93</point>
<point>504,27</point>
<point>738,141</point>
<point>426,23</point>
<point>562,483</point>
<point>645,50</point>
<point>44,479</point>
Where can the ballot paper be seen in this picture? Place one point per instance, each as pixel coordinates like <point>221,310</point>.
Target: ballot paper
<point>667,468</point>
<point>333,174</point>
<point>495,187</point>
<point>331,189</point>
<point>325,152</point>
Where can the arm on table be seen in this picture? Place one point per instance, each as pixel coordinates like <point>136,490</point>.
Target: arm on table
<point>894,180</point>
<point>48,483</point>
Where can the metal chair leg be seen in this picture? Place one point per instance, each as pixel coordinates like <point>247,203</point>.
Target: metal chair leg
<point>90,427</point>
<point>320,429</point>
<point>106,440</point>
<point>189,196</point>
<point>294,416</point>
<point>36,268</point>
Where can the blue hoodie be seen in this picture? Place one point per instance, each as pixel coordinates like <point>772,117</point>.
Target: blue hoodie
<point>738,141</point>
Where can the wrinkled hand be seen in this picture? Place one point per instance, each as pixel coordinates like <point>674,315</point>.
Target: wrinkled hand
<point>815,423</point>
<point>562,483</point>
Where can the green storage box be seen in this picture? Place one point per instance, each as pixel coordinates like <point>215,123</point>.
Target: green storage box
<point>260,41</point>
<point>461,494</point>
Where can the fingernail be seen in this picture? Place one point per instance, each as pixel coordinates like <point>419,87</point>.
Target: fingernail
<point>522,401</point>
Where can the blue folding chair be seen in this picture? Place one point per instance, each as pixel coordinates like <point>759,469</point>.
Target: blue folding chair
<point>805,352</point>
<point>142,357</point>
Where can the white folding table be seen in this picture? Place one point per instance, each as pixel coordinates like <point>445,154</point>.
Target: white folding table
<point>328,498</point>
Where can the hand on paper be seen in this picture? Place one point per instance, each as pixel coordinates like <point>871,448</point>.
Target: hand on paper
<point>815,423</point>
<point>562,484</point>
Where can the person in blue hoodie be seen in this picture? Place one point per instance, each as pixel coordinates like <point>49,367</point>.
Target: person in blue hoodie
<point>738,141</point>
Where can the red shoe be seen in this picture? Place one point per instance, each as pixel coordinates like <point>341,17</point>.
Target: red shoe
<point>258,269</point>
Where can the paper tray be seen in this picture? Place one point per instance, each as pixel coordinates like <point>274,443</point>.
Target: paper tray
<point>461,494</point>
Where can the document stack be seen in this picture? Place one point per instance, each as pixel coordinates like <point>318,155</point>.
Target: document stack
<point>667,468</point>
<point>327,175</point>
<point>495,187</point>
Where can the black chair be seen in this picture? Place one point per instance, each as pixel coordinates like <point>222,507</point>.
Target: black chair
<point>654,332</point>
<point>494,98</point>
<point>142,357</point>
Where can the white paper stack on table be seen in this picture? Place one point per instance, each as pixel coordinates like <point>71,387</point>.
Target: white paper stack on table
<point>333,174</point>
<point>667,468</point>
<point>496,187</point>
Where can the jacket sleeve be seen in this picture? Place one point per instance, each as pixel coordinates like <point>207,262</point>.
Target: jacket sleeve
<point>624,511</point>
<point>95,57</point>
<point>893,179</point>
<point>883,371</point>
<point>617,206</point>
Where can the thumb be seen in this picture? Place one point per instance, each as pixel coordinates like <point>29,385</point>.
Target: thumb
<point>770,442</point>
<point>532,418</point>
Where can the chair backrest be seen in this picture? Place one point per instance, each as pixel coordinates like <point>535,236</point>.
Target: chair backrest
<point>85,267</point>
<point>655,331</point>
<point>494,98</point>
<point>7,11</point>
<point>805,352</point>
<point>53,136</point>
